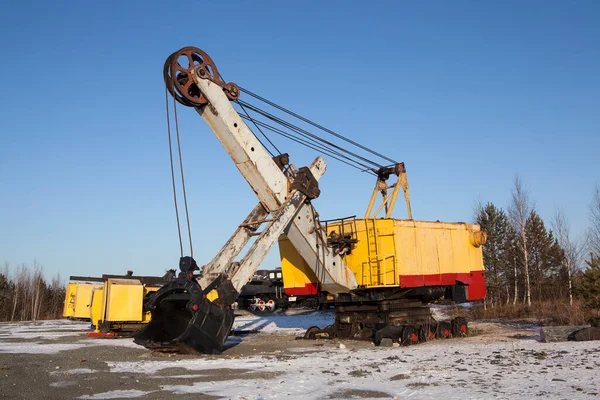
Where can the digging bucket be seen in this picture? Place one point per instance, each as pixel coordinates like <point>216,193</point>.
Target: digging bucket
<point>184,320</point>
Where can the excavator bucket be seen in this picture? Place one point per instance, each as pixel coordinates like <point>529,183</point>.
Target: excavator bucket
<point>184,320</point>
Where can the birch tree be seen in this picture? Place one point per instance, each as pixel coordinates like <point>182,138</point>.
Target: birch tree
<point>519,211</point>
<point>570,246</point>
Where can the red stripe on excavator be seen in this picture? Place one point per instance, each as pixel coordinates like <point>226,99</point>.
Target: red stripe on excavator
<point>475,281</point>
<point>309,288</point>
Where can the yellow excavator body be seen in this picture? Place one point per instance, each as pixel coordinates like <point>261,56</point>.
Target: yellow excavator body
<point>398,253</point>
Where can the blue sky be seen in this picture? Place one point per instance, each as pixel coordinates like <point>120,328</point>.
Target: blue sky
<point>466,93</point>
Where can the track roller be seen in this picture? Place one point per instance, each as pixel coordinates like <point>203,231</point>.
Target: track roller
<point>444,330</point>
<point>410,335</point>
<point>314,332</point>
<point>460,327</point>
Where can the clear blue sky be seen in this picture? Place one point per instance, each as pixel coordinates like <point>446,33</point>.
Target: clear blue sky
<point>466,93</point>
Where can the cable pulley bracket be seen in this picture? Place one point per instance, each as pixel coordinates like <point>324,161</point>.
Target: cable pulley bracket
<point>183,67</point>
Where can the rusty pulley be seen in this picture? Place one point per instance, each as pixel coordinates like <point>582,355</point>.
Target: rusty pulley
<point>179,71</point>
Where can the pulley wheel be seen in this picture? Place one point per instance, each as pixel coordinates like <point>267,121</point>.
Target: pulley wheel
<point>178,71</point>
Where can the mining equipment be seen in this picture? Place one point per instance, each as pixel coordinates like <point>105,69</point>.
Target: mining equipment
<point>381,271</point>
<point>112,303</point>
<point>266,292</point>
<point>78,297</point>
<point>117,307</point>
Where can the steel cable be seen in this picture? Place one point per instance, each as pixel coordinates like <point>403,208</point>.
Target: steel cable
<point>248,92</point>
<point>187,215</point>
<point>173,173</point>
<point>260,130</point>
<point>314,146</point>
<point>305,133</point>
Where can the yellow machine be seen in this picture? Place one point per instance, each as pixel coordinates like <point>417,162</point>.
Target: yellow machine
<point>387,252</point>
<point>78,298</point>
<point>398,253</point>
<point>117,305</point>
<point>69,308</point>
<point>113,303</point>
<point>381,272</point>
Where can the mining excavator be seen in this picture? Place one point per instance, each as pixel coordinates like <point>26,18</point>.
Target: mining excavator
<point>381,271</point>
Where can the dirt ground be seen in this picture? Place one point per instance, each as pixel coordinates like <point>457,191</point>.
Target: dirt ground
<point>56,360</point>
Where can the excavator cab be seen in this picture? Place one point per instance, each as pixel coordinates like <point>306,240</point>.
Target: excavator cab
<point>184,319</point>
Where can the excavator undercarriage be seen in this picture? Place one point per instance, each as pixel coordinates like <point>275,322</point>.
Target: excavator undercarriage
<point>381,271</point>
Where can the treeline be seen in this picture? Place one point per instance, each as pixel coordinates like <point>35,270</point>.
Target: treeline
<point>25,294</point>
<point>528,260</point>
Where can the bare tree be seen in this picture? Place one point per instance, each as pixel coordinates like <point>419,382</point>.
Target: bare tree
<point>15,295</point>
<point>594,230</point>
<point>519,211</point>
<point>24,291</point>
<point>37,291</point>
<point>26,295</point>
<point>570,246</point>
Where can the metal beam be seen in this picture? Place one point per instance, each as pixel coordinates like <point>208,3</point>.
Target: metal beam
<point>271,185</point>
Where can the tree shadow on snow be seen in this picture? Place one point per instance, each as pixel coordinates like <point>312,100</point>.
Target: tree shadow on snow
<point>301,321</point>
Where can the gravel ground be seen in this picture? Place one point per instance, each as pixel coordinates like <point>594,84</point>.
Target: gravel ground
<point>55,360</point>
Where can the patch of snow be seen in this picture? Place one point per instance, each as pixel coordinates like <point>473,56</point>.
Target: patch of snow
<point>37,335</point>
<point>37,348</point>
<point>116,394</point>
<point>75,371</point>
<point>50,329</point>
<point>62,384</point>
<point>10,347</point>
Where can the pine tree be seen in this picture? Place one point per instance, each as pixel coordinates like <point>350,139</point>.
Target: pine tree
<point>545,259</point>
<point>494,222</point>
<point>589,283</point>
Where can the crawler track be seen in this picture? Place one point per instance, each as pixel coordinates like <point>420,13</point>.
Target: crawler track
<point>402,321</point>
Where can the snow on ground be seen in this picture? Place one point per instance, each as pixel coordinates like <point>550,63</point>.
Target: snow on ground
<point>11,333</point>
<point>37,347</point>
<point>53,348</point>
<point>52,329</point>
<point>499,362</point>
<point>441,369</point>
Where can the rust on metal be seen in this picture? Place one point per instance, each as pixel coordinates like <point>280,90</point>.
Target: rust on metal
<point>179,79</point>
<point>306,183</point>
<point>282,160</point>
